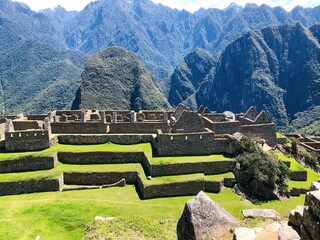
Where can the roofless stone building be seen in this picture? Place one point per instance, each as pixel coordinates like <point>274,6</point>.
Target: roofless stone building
<point>179,132</point>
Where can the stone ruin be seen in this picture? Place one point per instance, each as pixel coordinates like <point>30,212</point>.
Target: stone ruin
<point>188,132</point>
<point>306,219</point>
<point>27,135</point>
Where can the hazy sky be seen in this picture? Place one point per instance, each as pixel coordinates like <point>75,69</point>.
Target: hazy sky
<point>190,5</point>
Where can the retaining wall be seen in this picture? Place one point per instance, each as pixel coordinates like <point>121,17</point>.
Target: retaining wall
<point>191,144</point>
<point>208,168</point>
<point>173,189</point>
<point>27,164</point>
<point>213,186</point>
<point>31,186</point>
<point>98,178</point>
<point>298,175</point>
<point>104,138</point>
<point>78,128</point>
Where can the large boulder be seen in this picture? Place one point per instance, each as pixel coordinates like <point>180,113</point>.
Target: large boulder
<point>296,216</point>
<point>261,213</point>
<point>202,218</point>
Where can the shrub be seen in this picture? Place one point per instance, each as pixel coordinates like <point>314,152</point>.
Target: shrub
<point>310,158</point>
<point>260,172</point>
<point>294,145</point>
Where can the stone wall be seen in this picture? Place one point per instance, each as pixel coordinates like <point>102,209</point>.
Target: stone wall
<point>265,131</point>
<point>100,157</point>
<point>173,189</point>
<point>226,127</point>
<point>26,140</point>
<point>190,144</point>
<point>310,228</point>
<point>38,117</point>
<point>78,128</point>
<point>2,129</point>
<point>27,164</point>
<point>31,186</point>
<point>214,186</point>
<point>98,178</point>
<point>105,158</point>
<point>189,122</point>
<point>26,125</point>
<point>208,168</point>
<point>104,138</point>
<point>298,175</point>
<point>139,127</point>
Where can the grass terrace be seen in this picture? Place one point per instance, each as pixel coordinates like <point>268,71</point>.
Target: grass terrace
<point>142,147</point>
<point>64,215</point>
<point>295,166</point>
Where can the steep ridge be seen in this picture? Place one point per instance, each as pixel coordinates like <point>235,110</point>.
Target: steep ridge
<point>27,23</point>
<point>276,68</point>
<point>36,78</point>
<point>188,76</point>
<point>116,79</point>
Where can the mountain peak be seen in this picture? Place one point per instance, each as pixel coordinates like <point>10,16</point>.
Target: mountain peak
<point>116,79</point>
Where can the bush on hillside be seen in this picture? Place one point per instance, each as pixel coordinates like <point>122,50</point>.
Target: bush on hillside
<point>260,174</point>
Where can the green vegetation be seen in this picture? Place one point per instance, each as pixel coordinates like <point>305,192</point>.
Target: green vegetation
<point>295,166</point>
<point>142,147</point>
<point>64,215</point>
<point>175,178</point>
<point>280,135</point>
<point>132,227</point>
<point>260,172</point>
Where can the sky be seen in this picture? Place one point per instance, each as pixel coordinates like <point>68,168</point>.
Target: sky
<point>189,5</point>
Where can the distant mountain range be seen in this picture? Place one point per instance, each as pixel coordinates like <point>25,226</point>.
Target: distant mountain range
<point>227,59</point>
<point>276,69</point>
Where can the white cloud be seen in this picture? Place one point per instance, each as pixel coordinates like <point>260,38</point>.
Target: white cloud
<point>189,5</point>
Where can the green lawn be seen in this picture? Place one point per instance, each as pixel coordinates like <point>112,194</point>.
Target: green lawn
<point>295,166</point>
<point>63,215</point>
<point>142,147</point>
<point>60,168</point>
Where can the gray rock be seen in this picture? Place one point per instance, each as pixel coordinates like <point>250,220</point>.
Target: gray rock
<point>202,218</point>
<point>244,234</point>
<point>315,186</point>
<point>261,213</point>
<point>296,215</point>
<point>99,218</point>
<point>287,233</point>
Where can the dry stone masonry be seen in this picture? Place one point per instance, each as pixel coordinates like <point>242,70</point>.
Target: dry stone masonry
<point>181,132</point>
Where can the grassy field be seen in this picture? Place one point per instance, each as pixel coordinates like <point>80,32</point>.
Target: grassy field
<point>142,147</point>
<point>64,215</point>
<point>295,166</point>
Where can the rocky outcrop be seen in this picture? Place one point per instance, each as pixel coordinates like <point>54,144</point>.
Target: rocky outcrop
<point>202,218</point>
<point>116,79</point>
